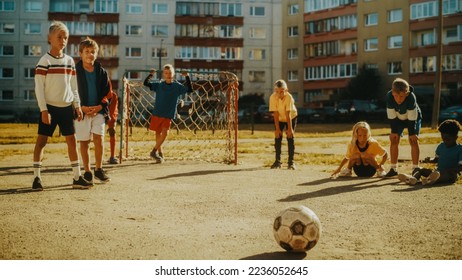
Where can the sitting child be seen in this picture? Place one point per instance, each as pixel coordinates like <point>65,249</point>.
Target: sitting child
<point>448,157</point>
<point>362,154</point>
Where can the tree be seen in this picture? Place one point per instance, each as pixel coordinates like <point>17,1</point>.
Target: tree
<point>366,85</point>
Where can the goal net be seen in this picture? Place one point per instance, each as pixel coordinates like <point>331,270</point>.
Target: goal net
<point>205,127</point>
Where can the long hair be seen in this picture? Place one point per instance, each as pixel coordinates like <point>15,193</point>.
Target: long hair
<point>357,126</point>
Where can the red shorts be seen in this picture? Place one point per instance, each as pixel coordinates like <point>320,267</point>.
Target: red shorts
<point>159,123</point>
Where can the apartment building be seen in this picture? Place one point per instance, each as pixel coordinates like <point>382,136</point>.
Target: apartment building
<point>242,37</point>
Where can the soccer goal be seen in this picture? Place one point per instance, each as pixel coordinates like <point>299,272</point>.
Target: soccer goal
<point>205,128</point>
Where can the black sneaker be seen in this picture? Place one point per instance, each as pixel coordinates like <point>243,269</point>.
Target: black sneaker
<point>113,160</point>
<point>391,173</point>
<point>276,164</point>
<point>81,183</point>
<point>291,166</point>
<point>155,156</point>
<point>88,176</point>
<point>37,184</point>
<point>100,174</point>
<point>415,170</point>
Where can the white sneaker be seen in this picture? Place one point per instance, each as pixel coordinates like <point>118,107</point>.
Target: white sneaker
<point>431,179</point>
<point>345,173</point>
<point>408,179</point>
<point>381,174</point>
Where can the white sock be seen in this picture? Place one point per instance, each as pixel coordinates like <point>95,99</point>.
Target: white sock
<point>415,166</point>
<point>394,167</point>
<point>37,165</point>
<point>76,169</point>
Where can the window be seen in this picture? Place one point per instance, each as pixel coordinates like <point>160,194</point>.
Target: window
<point>133,30</point>
<point>29,73</point>
<point>423,64</point>
<point>7,6</point>
<point>316,5</point>
<point>426,38</point>
<point>159,30</point>
<point>292,31</point>
<point>371,44</point>
<point>452,62</point>
<point>395,42</point>
<point>451,35</point>
<point>394,68</point>
<point>459,32</point>
<point>32,28</point>
<point>256,76</point>
<point>106,6</point>
<point>6,28</point>
<point>6,73</point>
<point>231,53</point>
<point>371,19</point>
<point>109,28</point>
<point>424,10</point>
<point>155,52</point>
<point>133,52</point>
<point>6,95</point>
<point>134,9</point>
<point>257,11</point>
<point>230,9</point>
<point>230,31</point>
<point>134,75</point>
<point>293,9</point>
<point>292,53</point>
<point>81,28</point>
<point>33,6</point>
<point>257,33</point>
<point>330,71</point>
<point>6,50</point>
<point>292,76</point>
<point>29,95</point>
<point>257,54</point>
<point>160,9</point>
<point>395,15</point>
<point>107,51</point>
<point>32,50</point>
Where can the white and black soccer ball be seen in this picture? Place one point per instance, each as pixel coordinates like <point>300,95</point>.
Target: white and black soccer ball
<point>297,229</point>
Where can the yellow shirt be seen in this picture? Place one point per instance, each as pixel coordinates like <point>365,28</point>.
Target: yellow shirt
<point>282,106</point>
<point>374,149</point>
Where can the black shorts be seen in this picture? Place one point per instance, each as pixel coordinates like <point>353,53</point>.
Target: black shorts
<point>364,170</point>
<point>60,116</point>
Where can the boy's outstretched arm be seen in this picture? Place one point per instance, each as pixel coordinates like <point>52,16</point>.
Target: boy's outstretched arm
<point>147,81</point>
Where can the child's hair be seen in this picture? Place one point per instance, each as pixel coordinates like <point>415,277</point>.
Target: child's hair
<point>57,26</point>
<point>88,43</point>
<point>170,67</point>
<point>450,127</point>
<point>280,84</point>
<point>357,126</point>
<point>400,85</point>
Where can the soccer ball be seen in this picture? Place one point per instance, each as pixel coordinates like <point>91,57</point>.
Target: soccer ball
<point>297,229</point>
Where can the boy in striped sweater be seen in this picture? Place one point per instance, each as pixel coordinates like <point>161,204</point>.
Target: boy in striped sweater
<point>58,100</point>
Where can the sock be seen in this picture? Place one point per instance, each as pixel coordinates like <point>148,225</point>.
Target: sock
<point>37,165</point>
<point>415,166</point>
<point>394,166</point>
<point>76,169</point>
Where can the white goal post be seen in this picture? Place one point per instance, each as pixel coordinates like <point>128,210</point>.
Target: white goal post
<point>205,128</point>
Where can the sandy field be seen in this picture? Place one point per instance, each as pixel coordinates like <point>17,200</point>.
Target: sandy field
<point>182,210</point>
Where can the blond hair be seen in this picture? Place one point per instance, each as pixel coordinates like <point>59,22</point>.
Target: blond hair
<point>280,84</point>
<point>357,126</point>
<point>170,67</point>
<point>400,85</point>
<point>57,26</point>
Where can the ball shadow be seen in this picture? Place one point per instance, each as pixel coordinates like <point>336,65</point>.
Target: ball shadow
<point>281,255</point>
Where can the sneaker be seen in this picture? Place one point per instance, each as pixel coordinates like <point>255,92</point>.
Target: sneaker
<point>381,173</point>
<point>291,166</point>
<point>113,160</point>
<point>431,179</point>
<point>276,164</point>
<point>81,183</point>
<point>88,176</point>
<point>37,184</point>
<point>408,179</point>
<point>100,174</point>
<point>391,173</point>
<point>155,156</point>
<point>345,173</point>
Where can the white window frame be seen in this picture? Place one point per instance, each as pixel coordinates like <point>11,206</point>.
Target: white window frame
<point>292,31</point>
<point>293,9</point>
<point>257,54</point>
<point>33,50</point>
<point>257,76</point>
<point>106,6</point>
<point>29,73</point>
<point>395,15</point>
<point>4,27</point>
<point>130,51</point>
<point>395,42</point>
<point>155,52</point>
<point>393,66</point>
<point>133,30</point>
<point>29,95</point>
<point>30,28</point>
<point>257,33</point>
<point>159,9</point>
<point>371,19</point>
<point>231,9</point>
<point>256,11</point>
<point>33,6</point>
<point>424,10</point>
<point>134,8</point>
<point>5,8</point>
<point>292,53</point>
<point>369,44</point>
<point>292,75</point>
<point>156,28</point>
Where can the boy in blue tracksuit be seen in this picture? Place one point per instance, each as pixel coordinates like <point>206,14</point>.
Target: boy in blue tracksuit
<point>403,112</point>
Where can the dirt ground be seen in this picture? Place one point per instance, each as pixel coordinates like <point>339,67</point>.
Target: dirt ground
<point>197,211</point>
